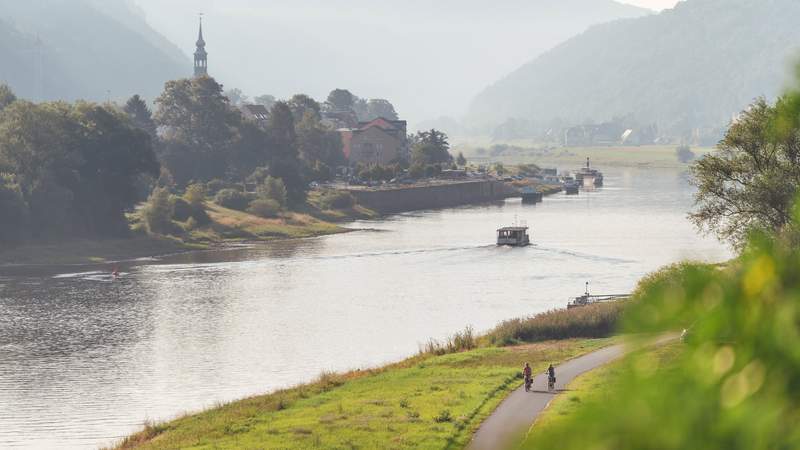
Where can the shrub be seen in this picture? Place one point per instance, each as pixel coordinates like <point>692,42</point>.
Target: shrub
<point>195,195</point>
<point>181,209</point>
<point>443,416</point>
<point>157,213</point>
<point>191,224</point>
<point>214,186</point>
<point>337,200</point>
<point>264,207</point>
<point>459,342</point>
<point>272,189</point>
<point>592,321</point>
<point>233,199</point>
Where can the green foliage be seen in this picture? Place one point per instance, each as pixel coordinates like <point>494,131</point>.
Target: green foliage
<point>264,207</point>
<point>459,342</point>
<point>181,209</point>
<point>7,96</point>
<point>461,161</point>
<point>273,189</point>
<point>592,321</point>
<point>377,172</point>
<point>751,181</point>
<point>215,185</point>
<point>158,212</point>
<point>232,199</point>
<point>140,115</point>
<point>378,107</point>
<point>302,105</point>
<point>735,385</point>
<point>341,99</point>
<point>336,200</point>
<point>78,166</point>
<point>285,159</point>
<point>13,210</point>
<point>195,195</point>
<point>431,147</point>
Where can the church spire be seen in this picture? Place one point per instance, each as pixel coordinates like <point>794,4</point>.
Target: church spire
<point>200,55</point>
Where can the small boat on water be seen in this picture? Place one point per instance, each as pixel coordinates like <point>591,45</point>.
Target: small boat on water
<point>516,236</point>
<point>589,177</point>
<point>531,195</point>
<point>571,187</point>
<point>589,299</point>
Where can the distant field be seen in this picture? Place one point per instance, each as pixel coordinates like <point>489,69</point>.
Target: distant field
<point>656,156</point>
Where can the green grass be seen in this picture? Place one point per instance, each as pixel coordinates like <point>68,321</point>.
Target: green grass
<point>595,386</point>
<point>651,156</point>
<point>425,402</point>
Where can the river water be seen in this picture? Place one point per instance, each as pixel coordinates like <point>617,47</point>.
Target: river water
<point>85,360</point>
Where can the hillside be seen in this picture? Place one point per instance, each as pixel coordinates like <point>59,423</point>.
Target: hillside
<point>691,67</point>
<point>88,48</point>
<point>428,57</point>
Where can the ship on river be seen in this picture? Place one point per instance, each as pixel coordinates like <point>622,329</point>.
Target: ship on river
<point>589,177</point>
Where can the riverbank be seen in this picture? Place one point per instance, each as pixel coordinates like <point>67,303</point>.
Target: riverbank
<point>226,227</point>
<point>570,158</point>
<point>436,399</point>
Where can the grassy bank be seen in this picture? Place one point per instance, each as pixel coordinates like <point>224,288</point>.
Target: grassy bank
<point>651,156</point>
<point>596,386</point>
<point>424,402</point>
<point>436,399</point>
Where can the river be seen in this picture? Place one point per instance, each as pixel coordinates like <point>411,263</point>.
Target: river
<point>85,360</point>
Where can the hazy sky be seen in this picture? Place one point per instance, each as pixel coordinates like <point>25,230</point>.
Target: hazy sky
<point>430,58</point>
<point>652,4</point>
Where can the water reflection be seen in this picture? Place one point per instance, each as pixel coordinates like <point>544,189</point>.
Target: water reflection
<point>86,360</point>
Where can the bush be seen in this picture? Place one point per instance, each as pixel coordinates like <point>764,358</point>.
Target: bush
<point>337,200</point>
<point>459,342</point>
<point>264,207</point>
<point>157,213</point>
<point>272,189</point>
<point>181,209</point>
<point>443,416</point>
<point>592,321</point>
<point>195,195</point>
<point>214,186</point>
<point>232,199</point>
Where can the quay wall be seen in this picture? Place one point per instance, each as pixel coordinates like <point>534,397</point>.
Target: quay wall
<point>411,198</point>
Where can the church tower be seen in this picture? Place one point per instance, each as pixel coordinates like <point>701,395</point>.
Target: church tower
<point>200,55</point>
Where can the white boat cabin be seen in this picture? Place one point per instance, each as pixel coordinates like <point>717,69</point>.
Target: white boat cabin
<point>514,236</point>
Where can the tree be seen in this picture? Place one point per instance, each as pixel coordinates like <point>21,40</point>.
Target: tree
<point>7,97</point>
<point>378,107</point>
<point>236,97</point>
<point>317,144</point>
<point>200,129</point>
<point>140,115</point>
<point>284,158</point>
<point>76,165</point>
<point>341,100</point>
<point>460,160</point>
<point>273,189</point>
<point>157,213</point>
<point>751,181</point>
<point>431,147</point>
<point>301,104</point>
<point>13,210</point>
<point>195,195</point>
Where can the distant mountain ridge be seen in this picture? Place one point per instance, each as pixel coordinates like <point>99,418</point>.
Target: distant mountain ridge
<point>691,67</point>
<point>90,49</point>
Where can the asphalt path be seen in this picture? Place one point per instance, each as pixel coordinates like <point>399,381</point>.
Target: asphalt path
<point>509,423</point>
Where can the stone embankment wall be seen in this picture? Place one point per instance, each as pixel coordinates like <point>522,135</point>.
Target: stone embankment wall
<point>432,196</point>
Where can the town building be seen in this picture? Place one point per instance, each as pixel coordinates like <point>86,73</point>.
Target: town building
<point>255,113</point>
<point>379,141</point>
<point>200,55</point>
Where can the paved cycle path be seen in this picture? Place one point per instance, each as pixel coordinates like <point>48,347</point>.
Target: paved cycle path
<point>511,420</point>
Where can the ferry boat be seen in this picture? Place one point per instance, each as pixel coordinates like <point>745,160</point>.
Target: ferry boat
<point>589,177</point>
<point>589,299</point>
<point>516,236</point>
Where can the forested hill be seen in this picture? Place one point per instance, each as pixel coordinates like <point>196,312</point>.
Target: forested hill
<point>693,66</point>
<point>87,48</point>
